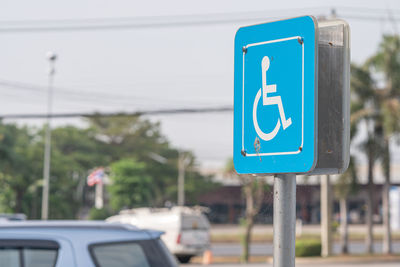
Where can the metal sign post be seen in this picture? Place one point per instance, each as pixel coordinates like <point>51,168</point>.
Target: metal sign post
<point>284,219</point>
<point>291,110</point>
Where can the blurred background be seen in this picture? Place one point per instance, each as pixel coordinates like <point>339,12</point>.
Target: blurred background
<point>133,102</point>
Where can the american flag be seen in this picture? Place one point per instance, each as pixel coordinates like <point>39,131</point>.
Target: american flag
<point>96,176</point>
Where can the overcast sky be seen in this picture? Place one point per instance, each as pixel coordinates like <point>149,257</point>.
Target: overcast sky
<point>154,67</point>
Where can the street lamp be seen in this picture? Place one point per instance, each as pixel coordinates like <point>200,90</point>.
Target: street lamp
<point>51,57</point>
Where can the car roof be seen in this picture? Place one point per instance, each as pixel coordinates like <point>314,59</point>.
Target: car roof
<point>68,224</point>
<point>90,230</point>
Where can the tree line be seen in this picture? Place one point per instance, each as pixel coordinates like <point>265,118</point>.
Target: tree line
<point>122,145</point>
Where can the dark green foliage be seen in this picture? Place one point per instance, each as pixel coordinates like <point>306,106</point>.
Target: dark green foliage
<point>75,151</point>
<point>99,214</point>
<point>18,183</point>
<point>308,248</point>
<point>131,186</point>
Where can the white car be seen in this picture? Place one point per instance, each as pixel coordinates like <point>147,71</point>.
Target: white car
<point>186,229</point>
<point>80,244</point>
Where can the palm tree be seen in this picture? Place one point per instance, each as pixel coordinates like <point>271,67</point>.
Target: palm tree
<point>387,63</point>
<point>372,147</point>
<point>364,110</point>
<point>346,185</point>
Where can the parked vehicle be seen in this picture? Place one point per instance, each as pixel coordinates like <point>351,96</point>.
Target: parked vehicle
<point>12,217</point>
<point>186,229</point>
<point>80,244</point>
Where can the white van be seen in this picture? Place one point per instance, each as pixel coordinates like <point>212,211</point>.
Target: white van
<point>186,229</point>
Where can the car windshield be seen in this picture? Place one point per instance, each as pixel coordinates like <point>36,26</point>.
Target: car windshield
<point>143,253</point>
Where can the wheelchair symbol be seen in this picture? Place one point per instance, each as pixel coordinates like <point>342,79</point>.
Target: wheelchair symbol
<point>267,101</point>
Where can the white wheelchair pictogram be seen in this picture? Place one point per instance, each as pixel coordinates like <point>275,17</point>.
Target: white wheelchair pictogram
<point>267,101</point>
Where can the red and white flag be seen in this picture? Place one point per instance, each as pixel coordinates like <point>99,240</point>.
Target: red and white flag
<point>96,176</point>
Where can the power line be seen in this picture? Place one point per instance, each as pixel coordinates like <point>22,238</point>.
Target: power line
<point>90,97</point>
<point>205,17</point>
<point>168,17</point>
<point>168,20</point>
<point>89,24</point>
<point>126,26</point>
<point>120,114</point>
<point>122,23</point>
<point>131,26</point>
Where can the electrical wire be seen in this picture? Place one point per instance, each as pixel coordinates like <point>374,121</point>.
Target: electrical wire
<point>120,114</point>
<point>179,20</point>
<point>97,97</point>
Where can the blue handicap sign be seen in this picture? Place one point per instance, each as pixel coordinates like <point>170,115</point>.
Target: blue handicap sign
<point>275,97</point>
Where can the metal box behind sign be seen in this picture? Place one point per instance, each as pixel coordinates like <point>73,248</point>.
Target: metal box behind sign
<point>333,97</point>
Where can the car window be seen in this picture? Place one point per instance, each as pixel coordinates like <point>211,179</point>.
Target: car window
<point>39,257</point>
<point>121,255</point>
<point>9,257</point>
<point>28,253</point>
<point>143,253</point>
<point>191,222</point>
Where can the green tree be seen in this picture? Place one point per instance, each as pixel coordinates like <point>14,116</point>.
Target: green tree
<point>17,174</point>
<point>133,136</point>
<point>21,165</point>
<point>364,110</point>
<point>386,62</point>
<point>75,151</point>
<point>131,186</point>
<point>125,136</point>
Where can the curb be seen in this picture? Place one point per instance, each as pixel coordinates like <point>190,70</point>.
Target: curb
<point>360,259</point>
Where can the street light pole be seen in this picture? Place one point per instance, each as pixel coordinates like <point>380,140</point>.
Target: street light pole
<point>51,57</point>
<point>183,161</point>
<point>181,179</point>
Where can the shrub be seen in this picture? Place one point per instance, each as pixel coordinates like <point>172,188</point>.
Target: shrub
<point>335,226</point>
<point>308,248</point>
<point>99,214</point>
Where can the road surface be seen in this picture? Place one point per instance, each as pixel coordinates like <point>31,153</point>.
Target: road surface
<point>299,265</point>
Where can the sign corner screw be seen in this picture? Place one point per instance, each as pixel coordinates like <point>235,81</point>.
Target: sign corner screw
<point>244,49</point>
<point>300,40</point>
<point>243,152</point>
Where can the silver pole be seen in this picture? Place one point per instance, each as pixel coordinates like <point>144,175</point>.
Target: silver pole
<point>181,179</point>
<point>47,147</point>
<point>98,201</point>
<point>326,216</point>
<point>284,220</point>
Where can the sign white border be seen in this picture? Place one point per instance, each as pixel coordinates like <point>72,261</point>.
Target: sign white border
<point>302,96</point>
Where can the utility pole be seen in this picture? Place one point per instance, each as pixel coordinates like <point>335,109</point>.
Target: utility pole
<point>51,57</point>
<point>182,163</point>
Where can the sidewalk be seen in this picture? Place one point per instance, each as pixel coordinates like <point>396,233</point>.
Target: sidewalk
<point>223,233</point>
<point>348,259</point>
<point>306,229</point>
